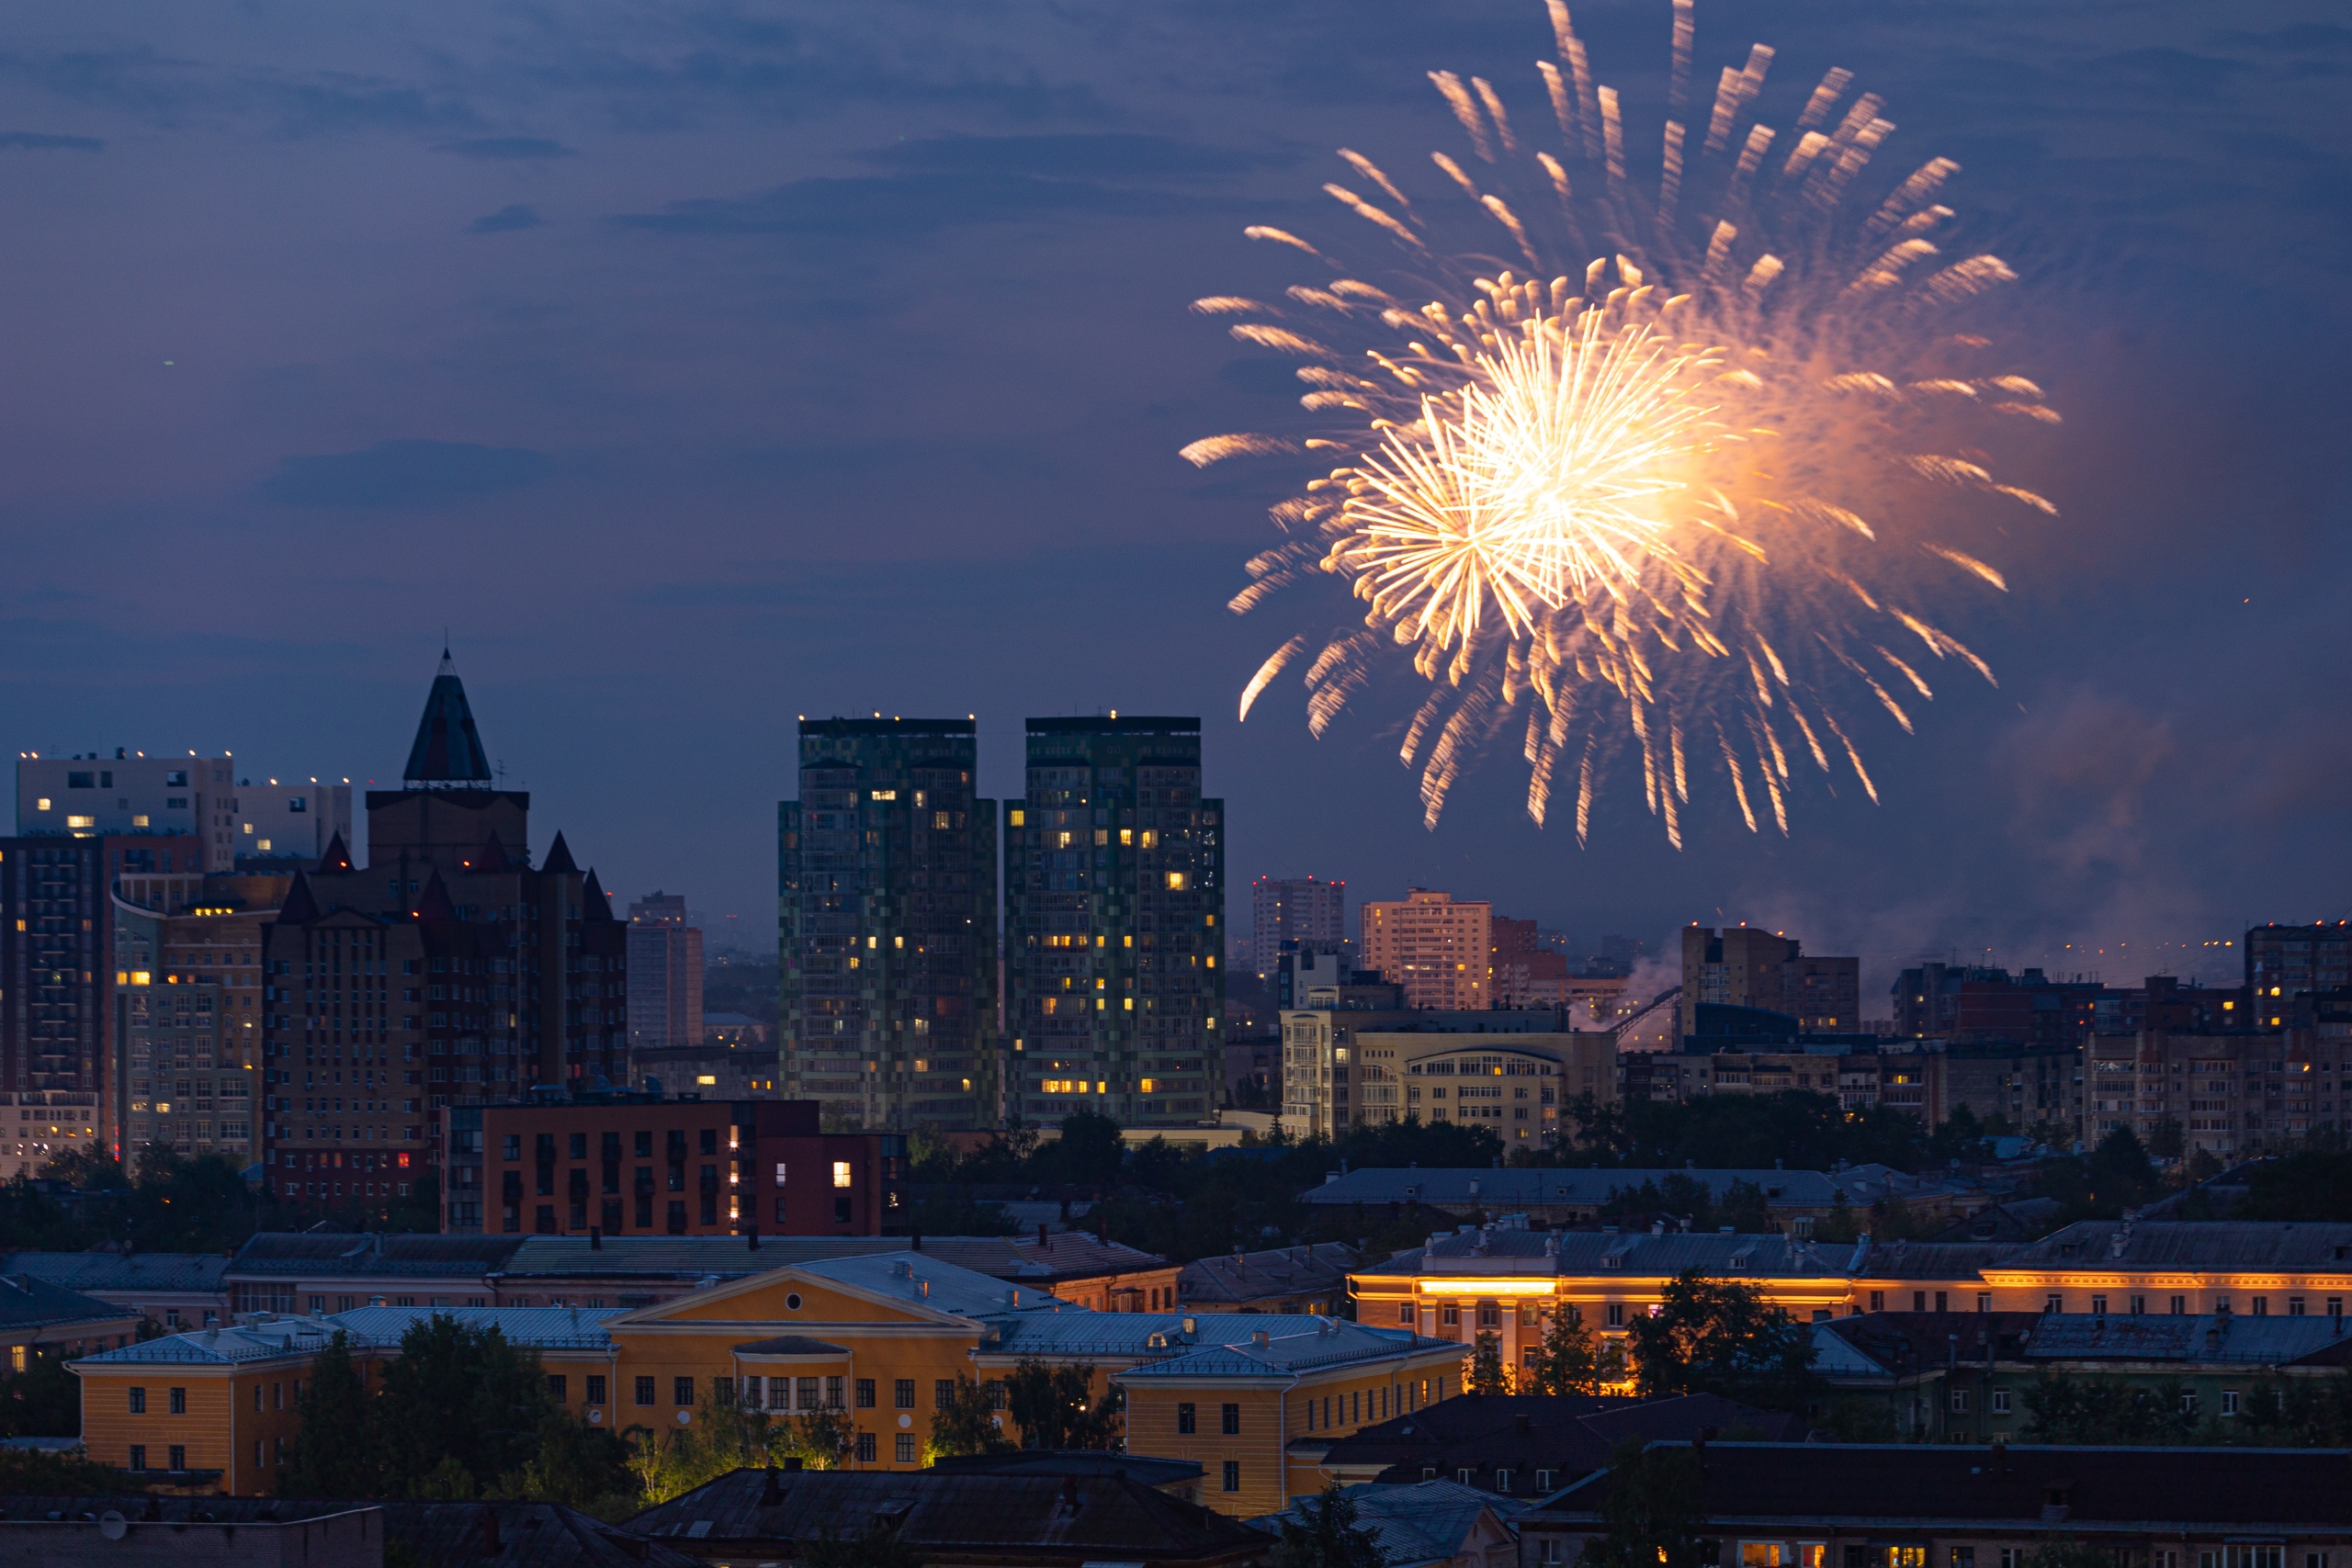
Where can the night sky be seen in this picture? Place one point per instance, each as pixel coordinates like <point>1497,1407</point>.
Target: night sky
<point>697,367</point>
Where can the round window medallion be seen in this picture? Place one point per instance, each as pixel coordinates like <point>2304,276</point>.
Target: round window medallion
<point>595,1417</point>
<point>792,1301</point>
<point>685,1418</point>
<point>906,1421</point>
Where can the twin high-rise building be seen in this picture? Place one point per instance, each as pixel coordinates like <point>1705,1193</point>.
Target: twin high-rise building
<point>900,1007</point>
<point>886,885</point>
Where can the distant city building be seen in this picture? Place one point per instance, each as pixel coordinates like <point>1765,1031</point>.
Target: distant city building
<point>1512,1072</point>
<point>187,1061</point>
<point>2239,1093</point>
<point>1743,966</point>
<point>447,971</point>
<point>640,1164</point>
<point>887,935</point>
<point>1307,915</point>
<point>1436,947</point>
<point>2283,960</point>
<point>1527,971</point>
<point>193,797</point>
<point>665,976</point>
<point>1114,941</point>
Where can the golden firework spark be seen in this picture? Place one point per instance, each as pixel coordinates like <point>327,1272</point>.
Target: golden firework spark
<point>1656,503</point>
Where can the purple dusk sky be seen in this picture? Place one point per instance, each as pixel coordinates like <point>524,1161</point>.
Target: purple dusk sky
<point>699,365</point>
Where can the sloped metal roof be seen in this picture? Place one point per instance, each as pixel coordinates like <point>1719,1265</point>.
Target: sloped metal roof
<point>290,1254</point>
<point>29,1302</point>
<point>2190,1244</point>
<point>189,1272</point>
<point>1265,1276</point>
<point>1321,1342</point>
<point>1428,1521</point>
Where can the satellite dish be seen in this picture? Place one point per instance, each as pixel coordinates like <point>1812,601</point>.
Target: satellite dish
<point>113,1525</point>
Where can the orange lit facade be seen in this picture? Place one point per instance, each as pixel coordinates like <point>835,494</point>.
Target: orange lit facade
<point>1438,949</point>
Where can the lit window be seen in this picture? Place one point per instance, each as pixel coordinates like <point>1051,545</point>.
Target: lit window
<point>707,1080</point>
<point>1175,882</point>
<point>140,821</point>
<point>1014,818</point>
<point>249,830</point>
<point>841,1173</point>
<point>41,805</point>
<point>143,976</point>
<point>81,821</point>
<point>262,845</point>
<point>1151,1085</point>
<point>886,794</point>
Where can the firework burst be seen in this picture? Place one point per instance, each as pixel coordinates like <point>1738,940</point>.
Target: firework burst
<point>1682,498</point>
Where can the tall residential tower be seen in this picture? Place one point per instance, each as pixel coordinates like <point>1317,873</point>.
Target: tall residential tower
<point>886,873</point>
<point>1114,936</point>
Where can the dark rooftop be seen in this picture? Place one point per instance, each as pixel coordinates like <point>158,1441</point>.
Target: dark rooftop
<point>1824,1485</point>
<point>1080,1518</point>
<point>435,1535</point>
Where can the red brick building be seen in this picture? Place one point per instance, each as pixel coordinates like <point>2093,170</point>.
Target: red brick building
<point>447,971</point>
<point>622,1164</point>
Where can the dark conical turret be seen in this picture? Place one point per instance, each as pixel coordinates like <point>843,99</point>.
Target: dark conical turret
<point>432,906</point>
<point>337,858</point>
<point>301,906</point>
<point>560,857</point>
<point>448,749</point>
<point>593,904</point>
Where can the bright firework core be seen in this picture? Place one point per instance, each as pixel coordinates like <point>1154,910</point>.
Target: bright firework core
<point>1677,494</point>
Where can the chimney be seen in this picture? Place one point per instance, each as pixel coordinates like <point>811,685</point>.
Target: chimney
<point>914,1242</point>
<point>1259,1338</point>
<point>792,1464</point>
<point>752,1236</point>
<point>490,1532</point>
<point>770,1495</point>
<point>1102,1228</point>
<point>595,1238</point>
<point>1045,1232</point>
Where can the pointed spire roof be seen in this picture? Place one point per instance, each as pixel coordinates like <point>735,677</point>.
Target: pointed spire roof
<point>300,909</point>
<point>337,857</point>
<point>593,905</point>
<point>433,904</point>
<point>491,856</point>
<point>558,856</point>
<point>448,749</point>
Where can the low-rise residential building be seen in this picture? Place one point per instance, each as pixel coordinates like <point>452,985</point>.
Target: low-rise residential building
<point>1309,1278</point>
<point>1527,1446</point>
<point>1962,1377</point>
<point>1907,1506</point>
<point>1256,1413</point>
<point>1430,1524</point>
<point>2123,1268</point>
<point>1577,1195</point>
<point>218,1406</point>
<point>172,1289</point>
<point>319,1272</point>
<point>1088,1270</point>
<point>952,1518</point>
<point>39,1318</point>
<point>1346,1067</point>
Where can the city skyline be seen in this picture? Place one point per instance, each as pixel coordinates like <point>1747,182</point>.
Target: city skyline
<point>696,363</point>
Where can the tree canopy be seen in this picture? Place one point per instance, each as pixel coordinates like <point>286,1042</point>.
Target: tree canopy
<point>1720,1336</point>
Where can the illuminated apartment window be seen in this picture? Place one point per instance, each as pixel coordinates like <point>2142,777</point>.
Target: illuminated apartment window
<point>140,821</point>
<point>81,821</point>
<point>41,805</point>
<point>841,1173</point>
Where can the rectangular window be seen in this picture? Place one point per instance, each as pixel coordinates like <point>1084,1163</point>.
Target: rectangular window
<point>596,1388</point>
<point>1405,1314</point>
<point>179,1407</point>
<point>841,1173</point>
<point>645,1391</point>
<point>681,1391</point>
<point>2053,1303</point>
<point>1963,1557</point>
<point>866,1393</point>
<point>1232,1477</point>
<point>139,1405</point>
<point>807,1391</point>
<point>903,1448</point>
<point>942,1394</point>
<point>2099,1306</point>
<point>177,1457</point>
<point>1959,1402</point>
<point>1187,1421</point>
<point>559,1388</point>
<point>2179,1306</point>
<point>865,1448</point>
<point>2000,1402</point>
<point>1616,1315</point>
<point>832,1394</point>
<point>1231,1420</point>
<point>2229,1402</point>
<point>137,1456</point>
<point>1878,1301</point>
<point>902,1394</point>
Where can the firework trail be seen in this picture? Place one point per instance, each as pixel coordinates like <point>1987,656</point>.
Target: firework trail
<point>1662,470</point>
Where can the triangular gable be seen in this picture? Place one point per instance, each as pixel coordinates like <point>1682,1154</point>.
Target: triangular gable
<point>762,1298</point>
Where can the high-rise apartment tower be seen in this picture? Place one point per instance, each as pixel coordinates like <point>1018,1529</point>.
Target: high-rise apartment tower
<point>1436,946</point>
<point>665,976</point>
<point>886,875</point>
<point>1310,914</point>
<point>1115,935</point>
